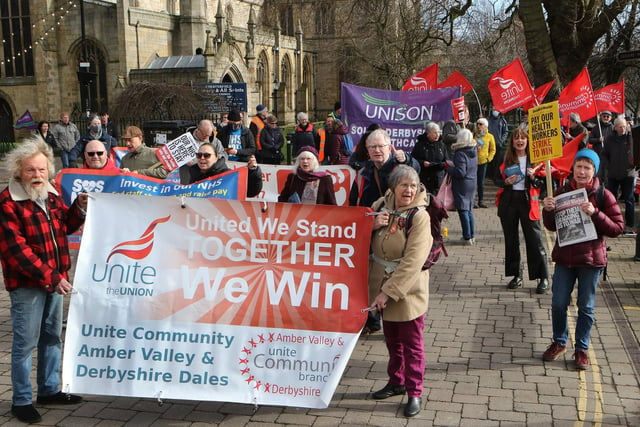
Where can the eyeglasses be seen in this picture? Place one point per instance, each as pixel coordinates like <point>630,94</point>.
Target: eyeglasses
<point>95,153</point>
<point>201,155</point>
<point>377,146</point>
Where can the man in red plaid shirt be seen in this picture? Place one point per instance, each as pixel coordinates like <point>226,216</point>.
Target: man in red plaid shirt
<point>34,223</point>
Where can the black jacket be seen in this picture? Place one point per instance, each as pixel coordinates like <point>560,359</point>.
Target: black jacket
<point>254,180</point>
<point>246,140</point>
<point>436,154</point>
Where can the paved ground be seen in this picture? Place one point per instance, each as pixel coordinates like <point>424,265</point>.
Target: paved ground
<point>483,344</point>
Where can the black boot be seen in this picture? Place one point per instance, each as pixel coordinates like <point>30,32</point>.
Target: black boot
<point>516,282</point>
<point>543,286</point>
<point>388,391</point>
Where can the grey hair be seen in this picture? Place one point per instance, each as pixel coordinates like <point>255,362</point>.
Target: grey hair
<point>301,115</point>
<point>92,119</point>
<point>379,133</point>
<point>620,119</point>
<point>28,148</point>
<point>315,163</point>
<point>431,126</point>
<point>401,172</point>
<point>482,121</point>
<point>575,117</point>
<point>465,136</point>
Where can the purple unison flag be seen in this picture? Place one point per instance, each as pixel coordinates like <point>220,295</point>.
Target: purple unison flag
<point>25,122</point>
<point>401,113</point>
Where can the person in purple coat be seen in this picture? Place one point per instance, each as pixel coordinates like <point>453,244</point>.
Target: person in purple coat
<point>582,261</point>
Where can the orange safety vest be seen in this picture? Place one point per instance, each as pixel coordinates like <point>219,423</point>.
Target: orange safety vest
<point>322,133</point>
<point>260,125</point>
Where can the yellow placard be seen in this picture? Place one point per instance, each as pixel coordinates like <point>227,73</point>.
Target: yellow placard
<point>545,137</point>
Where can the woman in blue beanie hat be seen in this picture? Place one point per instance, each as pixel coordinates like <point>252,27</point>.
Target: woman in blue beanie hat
<point>582,262</point>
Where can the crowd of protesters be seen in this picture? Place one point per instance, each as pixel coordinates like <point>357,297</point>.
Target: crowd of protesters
<point>389,180</point>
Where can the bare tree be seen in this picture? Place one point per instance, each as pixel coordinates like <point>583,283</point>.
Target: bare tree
<point>155,101</point>
<point>389,40</point>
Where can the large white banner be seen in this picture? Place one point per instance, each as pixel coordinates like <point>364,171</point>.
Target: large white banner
<point>216,299</point>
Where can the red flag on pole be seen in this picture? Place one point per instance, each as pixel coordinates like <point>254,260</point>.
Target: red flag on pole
<point>562,165</point>
<point>456,79</point>
<point>610,98</point>
<point>577,97</point>
<point>538,94</point>
<point>426,79</point>
<point>510,87</point>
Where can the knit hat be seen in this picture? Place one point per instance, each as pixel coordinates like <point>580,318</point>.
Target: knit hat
<point>586,153</point>
<point>234,116</point>
<point>132,132</point>
<point>308,148</point>
<point>260,108</point>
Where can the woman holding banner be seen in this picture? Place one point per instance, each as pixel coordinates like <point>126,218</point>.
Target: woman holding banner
<point>398,286</point>
<point>208,164</point>
<point>518,203</point>
<point>307,184</point>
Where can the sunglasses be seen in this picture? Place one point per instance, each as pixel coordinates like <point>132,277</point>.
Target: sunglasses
<point>201,155</point>
<point>95,153</point>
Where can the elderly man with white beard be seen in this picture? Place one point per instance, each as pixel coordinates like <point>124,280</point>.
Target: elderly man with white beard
<point>34,224</point>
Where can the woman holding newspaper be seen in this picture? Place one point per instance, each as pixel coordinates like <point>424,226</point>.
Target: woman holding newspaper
<point>584,260</point>
<point>517,203</point>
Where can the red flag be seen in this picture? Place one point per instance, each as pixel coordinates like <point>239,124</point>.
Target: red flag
<point>456,79</point>
<point>510,87</point>
<point>561,167</point>
<point>539,94</point>
<point>426,79</point>
<point>577,97</point>
<point>610,98</point>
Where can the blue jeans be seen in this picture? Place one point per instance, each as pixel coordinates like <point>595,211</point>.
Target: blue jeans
<point>564,279</point>
<point>37,322</point>
<point>626,188</point>
<point>64,157</point>
<point>468,224</point>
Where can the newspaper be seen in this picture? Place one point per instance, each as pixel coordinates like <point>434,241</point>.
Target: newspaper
<point>572,224</point>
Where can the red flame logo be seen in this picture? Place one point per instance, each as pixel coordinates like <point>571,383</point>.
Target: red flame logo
<point>139,248</point>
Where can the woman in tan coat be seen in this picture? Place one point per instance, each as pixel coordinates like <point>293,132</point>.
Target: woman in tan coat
<point>398,286</point>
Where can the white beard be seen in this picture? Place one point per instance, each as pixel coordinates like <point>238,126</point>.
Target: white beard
<point>36,193</point>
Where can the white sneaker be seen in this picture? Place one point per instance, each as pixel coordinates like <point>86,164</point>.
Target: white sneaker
<point>470,242</point>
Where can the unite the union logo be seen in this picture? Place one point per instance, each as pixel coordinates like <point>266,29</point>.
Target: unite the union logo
<point>139,248</point>
<point>130,276</point>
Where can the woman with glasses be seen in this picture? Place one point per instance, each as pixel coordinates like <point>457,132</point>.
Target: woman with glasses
<point>208,164</point>
<point>306,184</point>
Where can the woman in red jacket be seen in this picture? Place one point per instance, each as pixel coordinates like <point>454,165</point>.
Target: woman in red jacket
<point>582,261</point>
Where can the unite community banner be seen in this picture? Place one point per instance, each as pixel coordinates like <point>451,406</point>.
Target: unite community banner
<point>216,300</point>
<point>401,113</point>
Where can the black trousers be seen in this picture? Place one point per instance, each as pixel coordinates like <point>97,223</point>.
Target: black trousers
<point>517,212</point>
